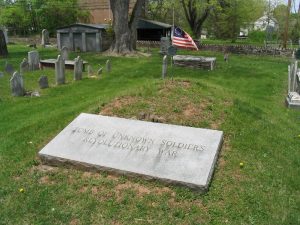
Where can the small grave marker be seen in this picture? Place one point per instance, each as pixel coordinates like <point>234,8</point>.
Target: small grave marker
<point>43,82</point>
<point>17,85</point>
<point>33,60</point>
<point>78,67</point>
<point>9,68</point>
<point>164,67</point>
<point>108,66</point>
<point>24,66</point>
<point>60,70</point>
<point>64,53</point>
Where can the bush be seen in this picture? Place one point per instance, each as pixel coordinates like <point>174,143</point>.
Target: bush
<point>257,36</point>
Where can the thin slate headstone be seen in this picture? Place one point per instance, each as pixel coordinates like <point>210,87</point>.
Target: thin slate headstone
<point>43,82</point>
<point>33,60</point>
<point>164,67</point>
<point>99,72</point>
<point>172,50</point>
<point>173,154</point>
<point>9,68</point>
<point>64,53</point>
<point>165,43</point>
<point>78,67</point>
<point>60,70</point>
<point>17,85</point>
<point>45,37</point>
<point>1,74</point>
<point>108,66</point>
<point>24,66</point>
<point>90,70</point>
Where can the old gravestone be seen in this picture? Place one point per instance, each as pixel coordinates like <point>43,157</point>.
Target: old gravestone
<point>164,67</point>
<point>24,66</point>
<point>9,68</point>
<point>108,66</point>
<point>60,70</point>
<point>43,82</point>
<point>1,74</point>
<point>78,67</point>
<point>33,60</point>
<point>90,70</point>
<point>17,85</point>
<point>45,37</point>
<point>99,72</point>
<point>64,53</point>
<point>174,154</point>
<point>4,29</point>
<point>165,43</point>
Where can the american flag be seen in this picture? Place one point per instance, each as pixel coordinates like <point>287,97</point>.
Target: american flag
<point>182,39</point>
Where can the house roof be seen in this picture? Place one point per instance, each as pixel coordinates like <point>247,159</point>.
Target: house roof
<point>94,26</point>
<point>151,24</point>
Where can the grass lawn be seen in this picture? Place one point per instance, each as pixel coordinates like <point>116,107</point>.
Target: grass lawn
<point>244,98</point>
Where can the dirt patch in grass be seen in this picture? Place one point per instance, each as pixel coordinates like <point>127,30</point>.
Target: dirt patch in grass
<point>74,222</point>
<point>141,190</point>
<point>117,104</point>
<point>44,168</point>
<point>46,180</point>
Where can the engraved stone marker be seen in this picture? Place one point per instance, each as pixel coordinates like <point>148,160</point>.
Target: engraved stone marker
<point>64,53</point>
<point>17,85</point>
<point>174,154</point>
<point>78,66</point>
<point>1,74</point>
<point>43,82</point>
<point>60,70</point>
<point>33,60</point>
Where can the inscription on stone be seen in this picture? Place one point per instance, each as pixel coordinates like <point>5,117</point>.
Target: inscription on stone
<point>175,154</point>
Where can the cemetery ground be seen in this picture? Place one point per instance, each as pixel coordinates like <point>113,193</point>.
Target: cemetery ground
<point>244,98</point>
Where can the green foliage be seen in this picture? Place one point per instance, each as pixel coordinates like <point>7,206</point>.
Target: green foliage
<point>31,16</point>
<point>257,36</point>
<point>233,15</point>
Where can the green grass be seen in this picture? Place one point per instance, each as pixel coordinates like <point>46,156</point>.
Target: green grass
<point>244,98</point>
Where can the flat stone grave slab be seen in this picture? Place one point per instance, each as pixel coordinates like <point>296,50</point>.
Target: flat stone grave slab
<point>69,64</point>
<point>174,154</point>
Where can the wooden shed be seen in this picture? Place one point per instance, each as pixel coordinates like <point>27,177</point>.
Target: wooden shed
<point>150,30</point>
<point>83,37</point>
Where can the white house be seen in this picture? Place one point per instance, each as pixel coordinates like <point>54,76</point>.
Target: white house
<point>263,22</point>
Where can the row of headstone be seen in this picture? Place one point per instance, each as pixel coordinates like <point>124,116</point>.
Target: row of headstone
<point>100,70</point>
<point>17,84</point>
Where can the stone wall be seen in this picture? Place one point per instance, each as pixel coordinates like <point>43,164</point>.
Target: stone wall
<point>236,49</point>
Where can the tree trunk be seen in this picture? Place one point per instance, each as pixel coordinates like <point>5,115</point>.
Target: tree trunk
<point>125,30</point>
<point>3,47</point>
<point>122,41</point>
<point>195,19</point>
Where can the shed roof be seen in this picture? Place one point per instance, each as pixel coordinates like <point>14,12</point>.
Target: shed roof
<point>151,24</point>
<point>93,26</point>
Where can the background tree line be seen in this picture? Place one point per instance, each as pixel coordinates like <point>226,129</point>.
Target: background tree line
<point>24,17</point>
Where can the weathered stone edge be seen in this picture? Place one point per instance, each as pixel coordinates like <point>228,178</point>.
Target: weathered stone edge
<point>212,169</point>
<point>291,105</point>
<point>61,162</point>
